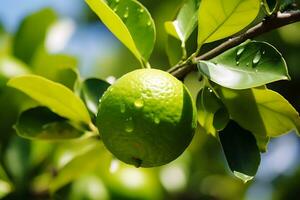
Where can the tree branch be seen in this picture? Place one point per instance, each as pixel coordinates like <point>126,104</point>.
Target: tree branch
<point>268,24</point>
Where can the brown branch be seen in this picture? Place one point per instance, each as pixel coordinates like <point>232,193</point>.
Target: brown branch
<point>268,24</point>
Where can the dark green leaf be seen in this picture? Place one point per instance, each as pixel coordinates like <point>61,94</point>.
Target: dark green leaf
<point>240,150</point>
<point>41,123</point>
<point>92,90</point>
<point>31,34</point>
<point>174,50</point>
<point>208,104</point>
<point>249,65</point>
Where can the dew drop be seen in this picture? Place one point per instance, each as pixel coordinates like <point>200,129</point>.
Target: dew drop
<point>126,13</point>
<point>237,62</point>
<point>210,90</point>
<point>149,23</point>
<point>122,108</point>
<point>141,10</point>
<point>115,9</point>
<point>240,51</point>
<point>129,125</point>
<point>256,58</point>
<point>264,52</point>
<point>247,64</point>
<point>239,54</point>
<point>117,1</point>
<point>139,103</point>
<point>156,120</point>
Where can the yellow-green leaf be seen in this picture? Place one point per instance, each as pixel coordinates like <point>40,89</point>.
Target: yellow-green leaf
<point>130,22</point>
<point>185,22</point>
<point>263,112</point>
<point>57,97</point>
<point>219,19</point>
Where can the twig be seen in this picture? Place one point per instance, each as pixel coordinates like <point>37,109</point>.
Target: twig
<point>271,23</point>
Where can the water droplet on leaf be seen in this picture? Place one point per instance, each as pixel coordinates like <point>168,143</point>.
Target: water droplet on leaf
<point>126,13</point>
<point>149,23</point>
<point>141,10</point>
<point>256,58</point>
<point>240,51</point>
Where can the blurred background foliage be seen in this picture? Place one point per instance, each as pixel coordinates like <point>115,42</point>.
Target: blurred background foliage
<point>64,41</point>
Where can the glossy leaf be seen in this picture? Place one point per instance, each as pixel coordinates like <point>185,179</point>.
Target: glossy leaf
<point>249,65</point>
<point>31,34</point>
<point>56,67</point>
<point>240,150</point>
<point>130,22</point>
<point>185,22</point>
<point>83,163</point>
<point>207,106</point>
<point>11,67</point>
<point>57,97</point>
<point>263,112</point>
<point>41,123</point>
<point>91,91</point>
<point>219,19</point>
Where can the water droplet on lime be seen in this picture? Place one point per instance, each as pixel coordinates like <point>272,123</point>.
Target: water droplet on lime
<point>122,108</point>
<point>139,103</point>
<point>129,127</point>
<point>156,120</point>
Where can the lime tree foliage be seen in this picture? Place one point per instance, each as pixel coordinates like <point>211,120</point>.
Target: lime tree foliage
<point>232,102</point>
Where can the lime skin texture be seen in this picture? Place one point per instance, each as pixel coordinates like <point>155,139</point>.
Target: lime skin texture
<point>147,118</point>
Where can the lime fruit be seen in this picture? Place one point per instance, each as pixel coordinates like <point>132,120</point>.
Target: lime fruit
<point>147,118</point>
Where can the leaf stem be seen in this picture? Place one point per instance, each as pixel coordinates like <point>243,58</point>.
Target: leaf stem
<point>268,24</point>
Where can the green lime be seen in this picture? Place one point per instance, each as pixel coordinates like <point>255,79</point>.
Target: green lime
<point>147,118</point>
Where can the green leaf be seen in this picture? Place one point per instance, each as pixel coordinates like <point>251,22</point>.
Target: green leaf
<point>83,163</point>
<point>5,184</point>
<point>240,150</point>
<point>173,50</point>
<point>31,34</point>
<point>263,112</point>
<point>249,65</point>
<point>208,104</point>
<point>41,123</point>
<point>11,67</point>
<point>219,19</point>
<point>91,91</point>
<point>271,6</point>
<point>56,67</point>
<point>185,22</point>
<point>130,22</point>
<point>57,97</point>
